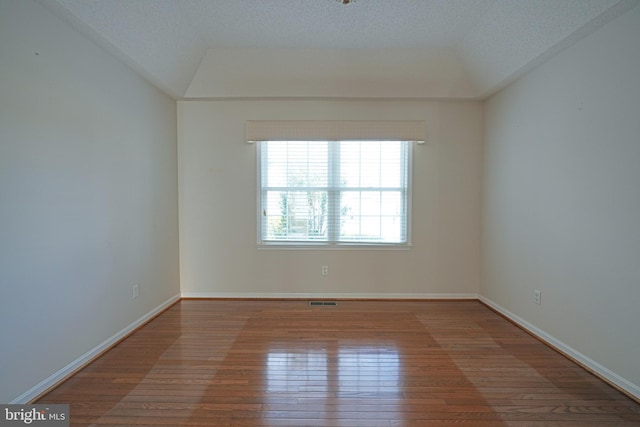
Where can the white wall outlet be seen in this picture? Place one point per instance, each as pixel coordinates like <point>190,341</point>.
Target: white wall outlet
<point>135,291</point>
<point>537,296</point>
<point>325,270</point>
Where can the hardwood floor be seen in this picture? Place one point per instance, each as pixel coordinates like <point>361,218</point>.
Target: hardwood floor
<point>363,363</point>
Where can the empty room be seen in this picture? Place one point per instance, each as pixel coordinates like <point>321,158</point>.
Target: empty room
<point>320,212</point>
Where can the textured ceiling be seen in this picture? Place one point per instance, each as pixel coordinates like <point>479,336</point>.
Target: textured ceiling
<point>494,40</point>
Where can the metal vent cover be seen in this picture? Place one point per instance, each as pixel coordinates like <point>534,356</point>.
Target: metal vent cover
<point>323,303</point>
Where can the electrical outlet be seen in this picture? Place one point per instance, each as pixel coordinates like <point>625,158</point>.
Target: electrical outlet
<point>537,296</point>
<point>135,291</point>
<point>325,270</point>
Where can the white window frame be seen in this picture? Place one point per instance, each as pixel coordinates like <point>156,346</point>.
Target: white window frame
<point>332,242</point>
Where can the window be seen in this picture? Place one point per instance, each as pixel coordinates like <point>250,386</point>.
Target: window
<point>334,192</point>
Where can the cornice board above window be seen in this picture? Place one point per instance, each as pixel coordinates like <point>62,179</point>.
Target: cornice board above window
<point>336,130</point>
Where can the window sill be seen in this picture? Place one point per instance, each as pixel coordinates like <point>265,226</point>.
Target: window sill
<point>333,247</point>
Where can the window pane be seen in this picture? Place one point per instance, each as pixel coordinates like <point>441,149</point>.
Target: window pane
<point>391,203</point>
<point>350,203</point>
<point>275,218</point>
<point>390,165</point>
<point>371,216</point>
<point>350,164</point>
<point>370,203</point>
<point>370,228</point>
<point>370,164</point>
<point>295,164</point>
<point>391,228</point>
<point>354,191</point>
<point>296,215</point>
<point>276,160</point>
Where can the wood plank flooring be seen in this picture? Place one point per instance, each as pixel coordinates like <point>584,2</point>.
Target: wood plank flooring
<point>363,363</point>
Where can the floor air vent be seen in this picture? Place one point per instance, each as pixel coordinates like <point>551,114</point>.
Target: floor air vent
<point>323,303</point>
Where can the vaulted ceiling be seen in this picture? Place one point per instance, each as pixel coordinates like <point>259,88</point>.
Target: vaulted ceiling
<point>312,48</point>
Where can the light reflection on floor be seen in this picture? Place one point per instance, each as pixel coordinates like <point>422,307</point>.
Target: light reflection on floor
<point>334,379</point>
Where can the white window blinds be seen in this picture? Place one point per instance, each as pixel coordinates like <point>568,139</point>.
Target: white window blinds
<point>334,192</point>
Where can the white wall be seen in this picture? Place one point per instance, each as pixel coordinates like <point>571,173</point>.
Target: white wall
<point>217,170</point>
<point>562,199</point>
<point>331,73</point>
<point>88,196</point>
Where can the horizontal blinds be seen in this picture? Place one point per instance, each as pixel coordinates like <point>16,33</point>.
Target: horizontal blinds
<point>336,130</point>
<point>334,192</point>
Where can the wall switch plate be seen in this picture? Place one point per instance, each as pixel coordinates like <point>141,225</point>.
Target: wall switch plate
<point>537,296</point>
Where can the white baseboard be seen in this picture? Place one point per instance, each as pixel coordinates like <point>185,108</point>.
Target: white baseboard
<point>614,379</point>
<point>253,295</point>
<point>83,360</point>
